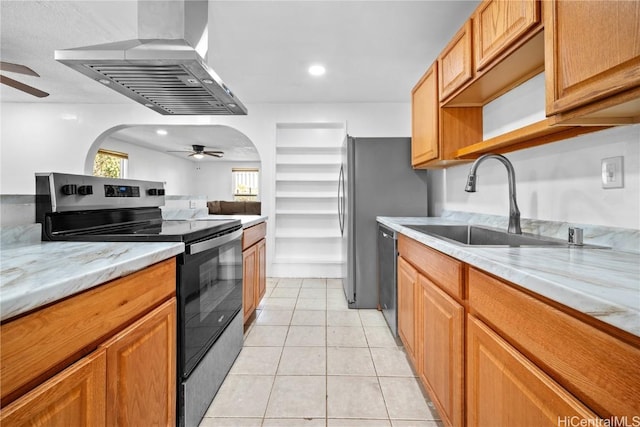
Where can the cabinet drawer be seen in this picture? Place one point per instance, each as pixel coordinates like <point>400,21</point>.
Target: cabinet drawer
<point>38,345</point>
<point>601,370</point>
<point>445,271</point>
<point>253,235</point>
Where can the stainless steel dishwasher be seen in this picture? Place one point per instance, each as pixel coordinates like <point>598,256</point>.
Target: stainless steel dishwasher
<point>387,276</point>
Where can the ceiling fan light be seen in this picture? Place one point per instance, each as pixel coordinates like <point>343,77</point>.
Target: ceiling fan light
<point>198,156</point>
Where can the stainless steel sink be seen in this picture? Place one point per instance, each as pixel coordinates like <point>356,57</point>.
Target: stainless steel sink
<point>470,235</point>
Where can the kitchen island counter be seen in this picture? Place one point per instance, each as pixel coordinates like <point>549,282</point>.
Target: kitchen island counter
<point>602,283</point>
<point>35,273</point>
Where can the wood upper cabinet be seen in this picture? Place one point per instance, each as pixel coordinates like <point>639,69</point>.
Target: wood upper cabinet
<point>424,118</point>
<point>141,371</point>
<point>504,388</point>
<point>437,133</point>
<point>497,24</point>
<point>440,347</point>
<point>592,51</point>
<point>74,397</point>
<point>407,285</point>
<point>455,66</point>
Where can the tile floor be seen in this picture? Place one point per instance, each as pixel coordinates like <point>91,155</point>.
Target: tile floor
<point>308,360</point>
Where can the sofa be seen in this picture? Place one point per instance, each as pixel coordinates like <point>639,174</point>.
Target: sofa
<point>221,207</point>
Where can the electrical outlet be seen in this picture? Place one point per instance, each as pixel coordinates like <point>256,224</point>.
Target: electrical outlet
<point>192,204</point>
<point>612,172</point>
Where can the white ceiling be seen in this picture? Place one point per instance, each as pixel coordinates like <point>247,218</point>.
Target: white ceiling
<point>374,51</point>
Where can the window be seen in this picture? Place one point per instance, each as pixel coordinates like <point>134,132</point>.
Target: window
<point>110,164</point>
<point>245,184</point>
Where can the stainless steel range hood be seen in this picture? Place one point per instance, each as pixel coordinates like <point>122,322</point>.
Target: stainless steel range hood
<point>161,69</point>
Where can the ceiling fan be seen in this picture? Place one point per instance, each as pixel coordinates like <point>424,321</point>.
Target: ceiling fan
<point>21,69</point>
<point>199,152</point>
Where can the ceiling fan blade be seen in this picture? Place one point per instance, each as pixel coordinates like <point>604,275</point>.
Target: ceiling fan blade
<point>23,87</point>
<point>17,68</point>
<point>181,151</point>
<point>212,154</point>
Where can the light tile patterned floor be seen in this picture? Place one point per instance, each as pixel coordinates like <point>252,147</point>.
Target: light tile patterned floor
<point>308,360</point>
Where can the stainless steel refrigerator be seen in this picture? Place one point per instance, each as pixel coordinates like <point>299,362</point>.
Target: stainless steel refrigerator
<point>376,179</point>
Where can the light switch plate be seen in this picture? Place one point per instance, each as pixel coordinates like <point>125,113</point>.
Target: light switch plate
<point>612,172</point>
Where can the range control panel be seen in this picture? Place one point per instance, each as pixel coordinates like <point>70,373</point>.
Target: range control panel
<point>66,192</point>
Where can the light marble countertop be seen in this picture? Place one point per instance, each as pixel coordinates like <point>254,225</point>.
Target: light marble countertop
<point>37,273</point>
<point>602,283</point>
<point>247,220</point>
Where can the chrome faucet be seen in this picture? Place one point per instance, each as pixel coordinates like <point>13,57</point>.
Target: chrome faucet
<point>514,212</point>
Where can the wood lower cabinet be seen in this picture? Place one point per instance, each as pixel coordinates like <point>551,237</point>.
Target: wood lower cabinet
<point>592,51</point>
<point>106,356</point>
<point>74,397</point>
<point>441,350</point>
<point>249,281</point>
<point>141,375</point>
<point>505,389</point>
<point>261,285</point>
<point>492,354</point>
<point>254,268</point>
<point>407,285</point>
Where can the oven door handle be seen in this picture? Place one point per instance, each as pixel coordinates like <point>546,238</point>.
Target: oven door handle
<point>196,248</point>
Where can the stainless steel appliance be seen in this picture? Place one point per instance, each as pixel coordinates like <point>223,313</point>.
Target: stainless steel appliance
<point>376,179</point>
<point>209,272</point>
<point>165,68</point>
<point>387,276</point>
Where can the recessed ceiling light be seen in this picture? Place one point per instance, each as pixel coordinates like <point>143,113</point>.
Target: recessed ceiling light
<point>161,132</point>
<point>317,70</point>
<point>105,81</point>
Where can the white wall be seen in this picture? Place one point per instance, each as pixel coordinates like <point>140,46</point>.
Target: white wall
<point>41,137</point>
<point>559,181</point>
<point>150,165</point>
<point>213,179</point>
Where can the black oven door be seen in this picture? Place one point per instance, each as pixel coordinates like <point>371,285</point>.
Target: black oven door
<point>210,295</point>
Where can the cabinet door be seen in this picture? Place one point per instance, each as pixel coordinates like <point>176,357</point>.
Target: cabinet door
<point>74,397</point>
<point>498,23</point>
<point>592,50</point>
<point>261,270</point>
<point>407,282</point>
<point>505,389</point>
<point>424,118</point>
<point>141,371</point>
<point>249,261</point>
<point>454,63</point>
<point>441,341</point>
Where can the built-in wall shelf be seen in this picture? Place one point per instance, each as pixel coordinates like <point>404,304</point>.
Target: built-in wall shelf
<point>308,212</point>
<point>308,157</point>
<point>317,260</point>
<point>307,195</point>
<point>537,133</point>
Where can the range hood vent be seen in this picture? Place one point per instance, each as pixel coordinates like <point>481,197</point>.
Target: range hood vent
<point>166,75</point>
